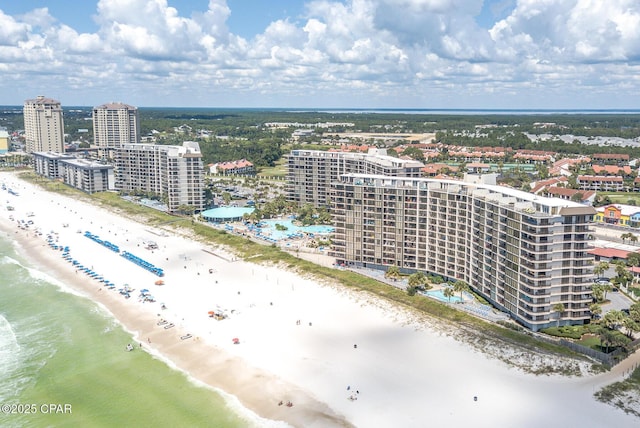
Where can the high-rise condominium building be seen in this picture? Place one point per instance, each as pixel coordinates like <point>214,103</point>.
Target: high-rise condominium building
<point>43,125</point>
<point>175,173</point>
<point>114,125</point>
<point>311,172</point>
<point>522,252</point>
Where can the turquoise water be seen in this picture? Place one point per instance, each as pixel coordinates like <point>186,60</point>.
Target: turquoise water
<point>62,349</point>
<point>269,229</point>
<point>438,294</point>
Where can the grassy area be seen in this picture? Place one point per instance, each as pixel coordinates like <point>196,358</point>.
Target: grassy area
<point>576,332</point>
<point>572,331</point>
<point>625,395</point>
<point>628,198</point>
<point>278,170</point>
<point>592,342</point>
<point>260,253</point>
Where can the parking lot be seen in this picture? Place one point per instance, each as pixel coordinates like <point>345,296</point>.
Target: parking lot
<point>618,301</point>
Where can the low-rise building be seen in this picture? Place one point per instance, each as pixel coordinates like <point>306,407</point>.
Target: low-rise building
<point>237,167</point>
<point>617,214</point>
<point>82,174</point>
<point>88,176</point>
<point>4,140</point>
<point>50,164</point>
<point>603,183</point>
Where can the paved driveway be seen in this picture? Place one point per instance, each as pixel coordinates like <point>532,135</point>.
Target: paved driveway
<point>618,301</point>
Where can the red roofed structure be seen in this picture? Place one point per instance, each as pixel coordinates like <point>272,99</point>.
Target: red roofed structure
<point>239,167</point>
<point>609,254</point>
<point>612,170</point>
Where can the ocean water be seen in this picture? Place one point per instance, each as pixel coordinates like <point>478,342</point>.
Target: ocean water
<point>63,364</point>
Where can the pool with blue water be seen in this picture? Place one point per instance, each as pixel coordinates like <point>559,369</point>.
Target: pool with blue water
<point>268,229</point>
<point>439,295</point>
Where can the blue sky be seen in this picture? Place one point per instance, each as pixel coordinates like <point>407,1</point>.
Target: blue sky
<point>248,17</point>
<point>550,54</point>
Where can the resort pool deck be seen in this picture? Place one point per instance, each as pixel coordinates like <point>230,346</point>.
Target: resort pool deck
<point>439,295</point>
<point>267,230</point>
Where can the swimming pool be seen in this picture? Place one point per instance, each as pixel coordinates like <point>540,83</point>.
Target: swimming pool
<point>439,295</point>
<point>268,229</point>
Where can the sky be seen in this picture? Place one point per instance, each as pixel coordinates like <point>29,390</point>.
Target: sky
<point>414,54</point>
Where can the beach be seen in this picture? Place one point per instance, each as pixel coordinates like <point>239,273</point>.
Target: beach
<point>340,357</point>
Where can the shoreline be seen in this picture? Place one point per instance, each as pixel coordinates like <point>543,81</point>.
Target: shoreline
<point>399,359</point>
<point>256,390</point>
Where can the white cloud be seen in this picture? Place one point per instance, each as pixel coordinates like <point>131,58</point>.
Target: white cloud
<point>409,51</point>
<point>12,31</point>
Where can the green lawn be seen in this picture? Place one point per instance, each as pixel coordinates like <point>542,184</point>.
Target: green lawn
<point>627,198</point>
<point>278,170</point>
<point>591,342</point>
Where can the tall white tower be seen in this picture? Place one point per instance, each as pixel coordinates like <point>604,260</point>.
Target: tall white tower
<point>43,125</point>
<point>114,125</point>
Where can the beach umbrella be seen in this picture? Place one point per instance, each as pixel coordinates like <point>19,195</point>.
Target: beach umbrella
<point>144,290</point>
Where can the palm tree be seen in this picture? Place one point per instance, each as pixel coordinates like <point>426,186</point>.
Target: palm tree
<point>601,268</point>
<point>597,290</point>
<point>595,310</point>
<point>393,273</point>
<point>619,340</point>
<point>623,275</point>
<point>448,293</point>
<point>461,287</point>
<point>607,337</point>
<point>558,308</point>
<point>634,312</point>
<point>416,281</point>
<point>633,259</point>
<point>626,236</point>
<point>613,319</point>
<point>631,326</point>
<point>605,289</point>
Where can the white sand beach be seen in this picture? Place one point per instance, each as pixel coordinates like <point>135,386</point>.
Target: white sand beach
<point>343,358</point>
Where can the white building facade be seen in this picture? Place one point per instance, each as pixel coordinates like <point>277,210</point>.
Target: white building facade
<point>115,124</point>
<point>311,172</point>
<point>83,174</point>
<point>174,173</point>
<point>43,125</point>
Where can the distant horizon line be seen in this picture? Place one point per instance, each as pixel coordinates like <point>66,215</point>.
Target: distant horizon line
<point>374,109</point>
